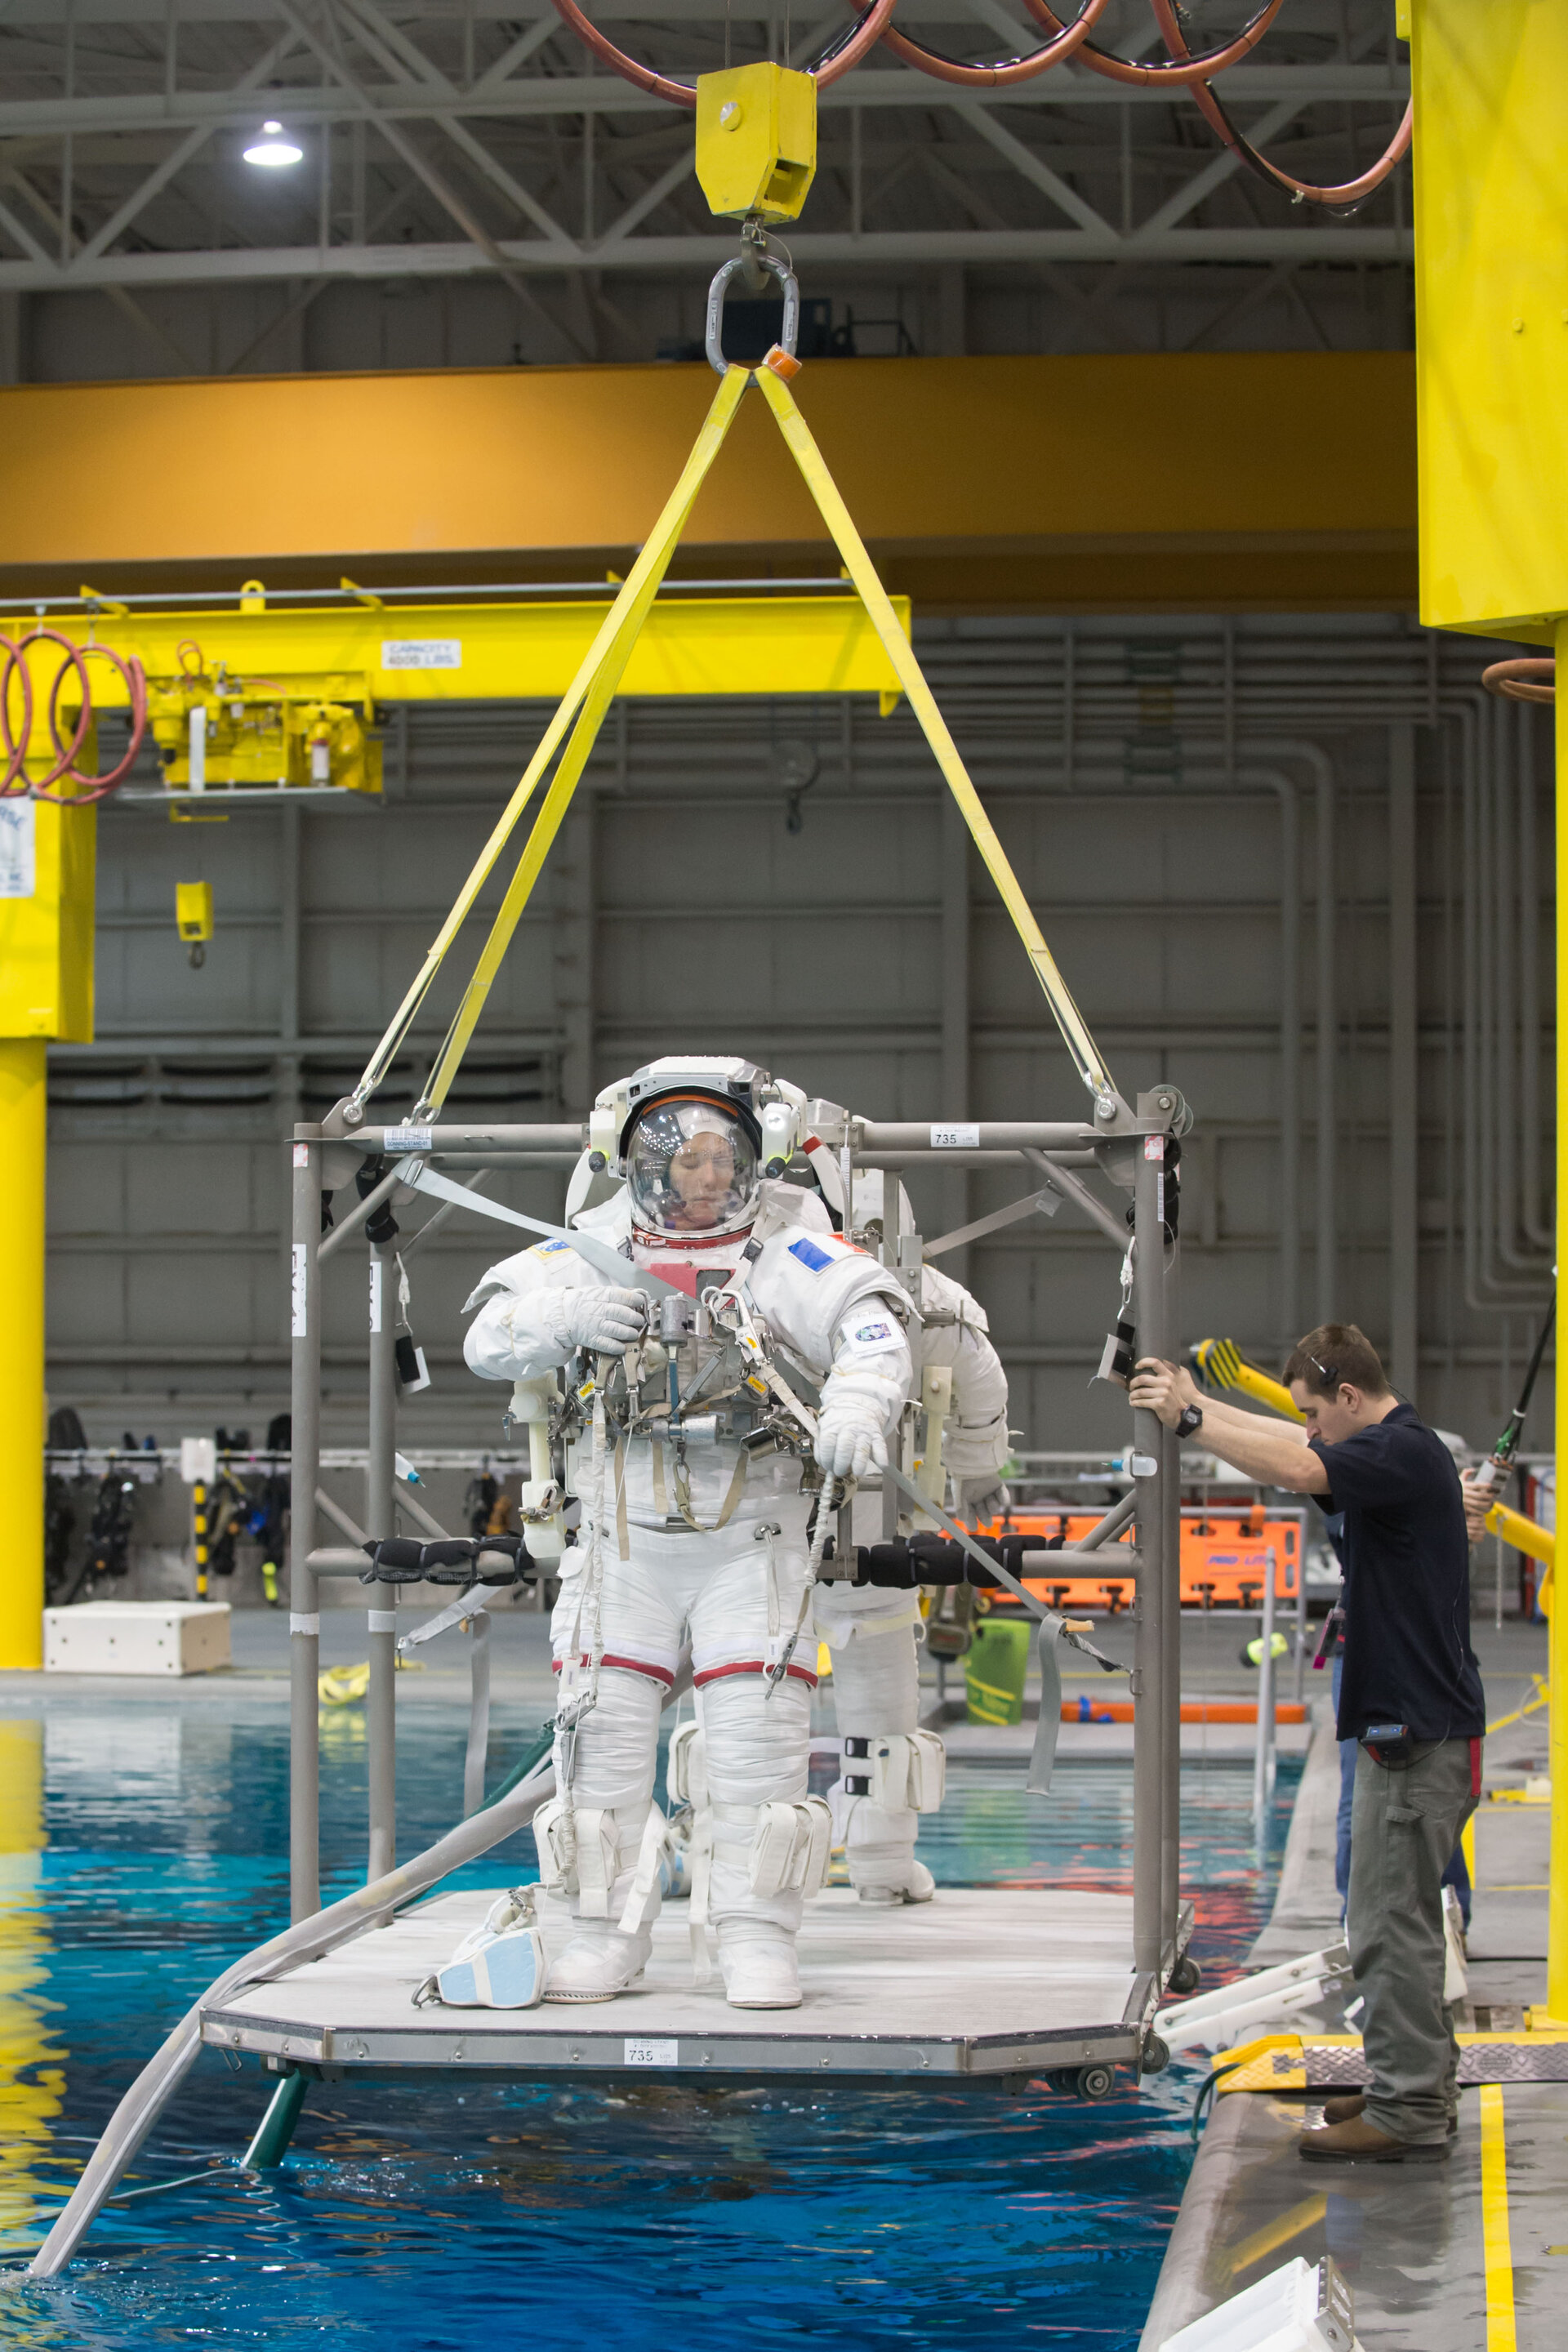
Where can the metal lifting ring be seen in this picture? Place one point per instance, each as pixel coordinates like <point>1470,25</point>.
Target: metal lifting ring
<point>757,257</point>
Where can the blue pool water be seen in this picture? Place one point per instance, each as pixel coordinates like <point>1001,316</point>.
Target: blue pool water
<point>141,1850</point>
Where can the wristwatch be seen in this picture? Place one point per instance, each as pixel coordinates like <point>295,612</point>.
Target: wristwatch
<point>1192,1418</point>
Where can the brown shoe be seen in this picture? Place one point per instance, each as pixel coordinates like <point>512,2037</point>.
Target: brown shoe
<point>1358,2142</point>
<point>1345,2111</point>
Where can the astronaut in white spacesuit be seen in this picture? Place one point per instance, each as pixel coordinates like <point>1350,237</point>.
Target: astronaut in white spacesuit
<point>872,1634</point>
<point>680,1439</point>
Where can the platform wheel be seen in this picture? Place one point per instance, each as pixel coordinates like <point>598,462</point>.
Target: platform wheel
<point>1094,2082</point>
<point>1155,2055</point>
<point>1186,1976</point>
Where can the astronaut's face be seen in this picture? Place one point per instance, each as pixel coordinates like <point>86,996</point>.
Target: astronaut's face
<point>702,1177</point>
<point>690,1169</point>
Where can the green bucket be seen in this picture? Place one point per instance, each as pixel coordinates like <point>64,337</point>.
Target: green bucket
<point>994,1671</point>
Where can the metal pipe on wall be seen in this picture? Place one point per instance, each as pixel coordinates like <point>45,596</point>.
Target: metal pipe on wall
<point>1403,1074</point>
<point>1318,764</point>
<point>1496,1277</point>
<point>1510,748</point>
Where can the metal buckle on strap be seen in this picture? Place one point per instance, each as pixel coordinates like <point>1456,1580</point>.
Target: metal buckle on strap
<point>754,256</point>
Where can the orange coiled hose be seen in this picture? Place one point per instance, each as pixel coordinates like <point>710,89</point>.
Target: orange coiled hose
<point>1071,36</point>
<point>1345,197</point>
<point>1176,72</point>
<point>681,93</point>
<point>1526,678</point>
<point>13,779</point>
<point>14,746</point>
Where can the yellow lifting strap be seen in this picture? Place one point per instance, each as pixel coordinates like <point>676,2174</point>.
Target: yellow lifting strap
<point>589,697</point>
<point>622,622</point>
<point>922,702</point>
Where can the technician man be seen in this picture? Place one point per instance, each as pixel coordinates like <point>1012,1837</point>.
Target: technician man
<point>1411,1697</point>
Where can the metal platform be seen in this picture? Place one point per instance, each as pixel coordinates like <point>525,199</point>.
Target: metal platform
<point>982,1982</point>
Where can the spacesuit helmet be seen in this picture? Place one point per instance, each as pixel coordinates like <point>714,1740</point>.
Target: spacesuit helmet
<point>691,1168</point>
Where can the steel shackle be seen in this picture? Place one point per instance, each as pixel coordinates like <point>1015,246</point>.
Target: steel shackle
<point>788,331</point>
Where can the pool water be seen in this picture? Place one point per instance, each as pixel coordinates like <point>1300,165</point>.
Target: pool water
<point>141,1850</point>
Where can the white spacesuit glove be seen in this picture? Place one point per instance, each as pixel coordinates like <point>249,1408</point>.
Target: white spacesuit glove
<point>982,1498</point>
<point>606,1320</point>
<point>850,1433</point>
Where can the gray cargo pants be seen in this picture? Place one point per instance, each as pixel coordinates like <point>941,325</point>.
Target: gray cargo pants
<point>1405,1826</point>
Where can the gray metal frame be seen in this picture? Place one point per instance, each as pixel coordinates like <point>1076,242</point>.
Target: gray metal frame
<point>1152,1563</point>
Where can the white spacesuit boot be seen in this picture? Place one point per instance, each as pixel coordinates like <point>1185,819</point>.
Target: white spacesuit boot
<point>601,1960</point>
<point>875,1698</point>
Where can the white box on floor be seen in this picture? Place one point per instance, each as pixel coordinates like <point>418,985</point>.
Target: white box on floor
<point>137,1637</point>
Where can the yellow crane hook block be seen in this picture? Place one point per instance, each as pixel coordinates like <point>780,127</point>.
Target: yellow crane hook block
<point>194,918</point>
<point>756,141</point>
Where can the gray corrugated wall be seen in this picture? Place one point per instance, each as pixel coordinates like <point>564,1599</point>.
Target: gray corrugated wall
<point>680,908</point>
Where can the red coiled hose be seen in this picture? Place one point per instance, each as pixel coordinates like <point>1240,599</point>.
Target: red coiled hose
<point>1526,678</point>
<point>1178,70</point>
<point>1070,36</point>
<point>16,746</point>
<point>1345,197</point>
<point>1181,68</point>
<point>14,780</point>
<point>681,93</point>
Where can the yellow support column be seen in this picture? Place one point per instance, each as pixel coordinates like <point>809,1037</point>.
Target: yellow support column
<point>1557,1629</point>
<point>48,875</point>
<point>1492,368</point>
<point>24,1089</point>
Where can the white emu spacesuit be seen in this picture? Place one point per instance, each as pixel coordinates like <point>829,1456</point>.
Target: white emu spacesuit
<point>695,1524</point>
<point>872,1634</point>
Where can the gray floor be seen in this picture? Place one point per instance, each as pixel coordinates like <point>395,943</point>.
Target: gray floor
<point>1211,1661</point>
<point>1409,2240</point>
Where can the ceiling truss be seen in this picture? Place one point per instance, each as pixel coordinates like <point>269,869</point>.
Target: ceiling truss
<point>446,143</point>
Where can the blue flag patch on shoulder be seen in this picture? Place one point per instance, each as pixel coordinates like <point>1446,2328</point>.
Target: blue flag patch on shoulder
<point>811,1254</point>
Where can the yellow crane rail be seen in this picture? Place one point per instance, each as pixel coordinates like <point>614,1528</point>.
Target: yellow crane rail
<point>437,652</point>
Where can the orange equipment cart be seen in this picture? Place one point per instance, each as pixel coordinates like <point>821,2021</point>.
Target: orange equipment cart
<point>1226,1551</point>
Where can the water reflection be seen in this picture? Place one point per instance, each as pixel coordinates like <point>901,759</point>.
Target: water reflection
<point>32,2054</point>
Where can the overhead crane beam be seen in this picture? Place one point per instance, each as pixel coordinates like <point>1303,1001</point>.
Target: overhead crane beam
<point>1306,500</point>
<point>436,651</point>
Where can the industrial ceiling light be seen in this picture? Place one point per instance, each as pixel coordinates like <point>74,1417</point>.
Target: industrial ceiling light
<point>274,149</point>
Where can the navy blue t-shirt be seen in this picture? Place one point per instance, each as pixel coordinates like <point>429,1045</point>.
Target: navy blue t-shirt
<point>1407,1582</point>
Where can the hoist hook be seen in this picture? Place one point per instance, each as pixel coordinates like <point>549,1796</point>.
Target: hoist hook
<point>754,257</point>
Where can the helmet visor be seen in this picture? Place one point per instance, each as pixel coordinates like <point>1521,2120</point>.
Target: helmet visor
<point>691,1168</point>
